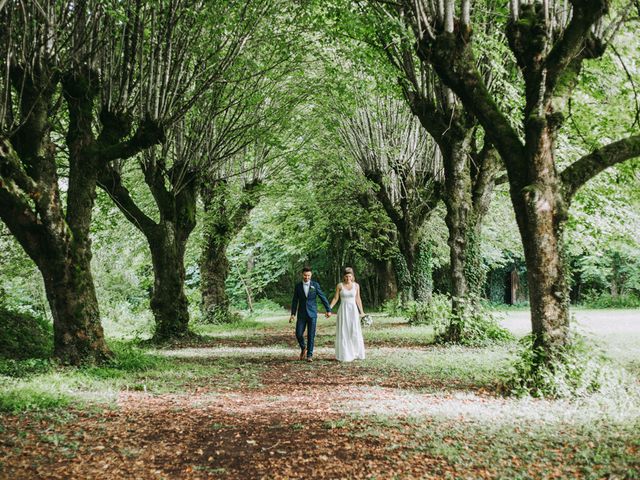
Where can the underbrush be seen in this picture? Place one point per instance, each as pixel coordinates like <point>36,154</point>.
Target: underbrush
<point>578,370</point>
<point>606,300</point>
<point>24,335</point>
<point>40,384</point>
<point>476,325</point>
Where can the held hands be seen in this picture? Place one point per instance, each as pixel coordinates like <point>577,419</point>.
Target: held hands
<point>327,314</point>
<point>291,318</point>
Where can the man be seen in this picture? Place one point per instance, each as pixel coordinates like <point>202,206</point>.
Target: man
<point>304,305</point>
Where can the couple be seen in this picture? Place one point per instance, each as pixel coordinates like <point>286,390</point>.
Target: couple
<point>349,341</point>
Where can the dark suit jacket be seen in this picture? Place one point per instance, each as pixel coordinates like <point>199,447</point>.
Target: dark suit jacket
<point>308,304</point>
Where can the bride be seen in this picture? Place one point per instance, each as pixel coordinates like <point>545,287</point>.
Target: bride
<point>349,341</point>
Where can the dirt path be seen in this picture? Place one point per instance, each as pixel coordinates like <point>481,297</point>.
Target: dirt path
<point>293,426</point>
<point>308,420</point>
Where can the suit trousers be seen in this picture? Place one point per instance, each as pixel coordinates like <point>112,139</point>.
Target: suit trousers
<point>309,323</point>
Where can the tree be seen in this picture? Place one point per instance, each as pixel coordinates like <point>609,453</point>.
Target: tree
<point>248,140</point>
<point>227,201</point>
<point>394,154</point>
<point>172,182</point>
<point>550,42</point>
<point>53,50</point>
<point>470,162</point>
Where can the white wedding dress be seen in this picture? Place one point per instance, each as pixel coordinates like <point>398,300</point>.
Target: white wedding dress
<point>349,341</point>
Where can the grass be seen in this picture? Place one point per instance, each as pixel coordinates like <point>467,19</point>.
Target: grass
<point>516,451</point>
<point>132,369</point>
<point>456,366</point>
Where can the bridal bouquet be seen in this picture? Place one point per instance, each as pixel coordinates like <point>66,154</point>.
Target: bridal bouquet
<point>366,320</point>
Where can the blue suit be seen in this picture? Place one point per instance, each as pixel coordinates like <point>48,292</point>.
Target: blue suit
<point>306,310</point>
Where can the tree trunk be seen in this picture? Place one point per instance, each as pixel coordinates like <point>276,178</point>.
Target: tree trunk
<point>457,198</point>
<point>541,214</point>
<point>168,300</point>
<point>403,278</point>
<point>78,334</point>
<point>224,218</point>
<point>167,240</point>
<point>421,277</point>
<point>387,287</point>
<point>214,270</point>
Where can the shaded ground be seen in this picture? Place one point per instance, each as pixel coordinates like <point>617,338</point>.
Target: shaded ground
<point>244,407</point>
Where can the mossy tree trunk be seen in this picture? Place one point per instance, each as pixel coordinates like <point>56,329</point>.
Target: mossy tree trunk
<point>414,279</point>
<point>55,237</point>
<point>226,213</point>
<point>469,179</point>
<point>167,238</point>
<point>394,155</point>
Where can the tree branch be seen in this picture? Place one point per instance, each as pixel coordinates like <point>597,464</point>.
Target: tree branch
<point>17,190</point>
<point>149,133</point>
<point>110,181</point>
<point>13,178</point>
<point>583,170</point>
<point>572,42</point>
<point>458,71</point>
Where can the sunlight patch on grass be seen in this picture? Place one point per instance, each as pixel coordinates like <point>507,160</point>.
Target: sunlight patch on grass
<point>221,352</point>
<point>470,407</point>
<point>475,366</point>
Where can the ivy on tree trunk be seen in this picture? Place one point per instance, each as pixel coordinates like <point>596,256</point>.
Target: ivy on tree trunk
<point>225,216</point>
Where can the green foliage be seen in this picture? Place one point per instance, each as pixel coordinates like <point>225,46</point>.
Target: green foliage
<point>127,358</point>
<point>24,368</point>
<point>575,371</point>
<point>394,307</point>
<point>24,335</point>
<point>477,323</point>
<point>403,277</point>
<point>475,270</point>
<point>606,300</point>
<point>266,306</point>
<point>423,270</point>
<point>435,312</point>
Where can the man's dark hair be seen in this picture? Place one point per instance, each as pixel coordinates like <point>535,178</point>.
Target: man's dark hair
<point>306,269</point>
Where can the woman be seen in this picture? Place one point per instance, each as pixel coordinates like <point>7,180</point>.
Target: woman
<point>349,341</point>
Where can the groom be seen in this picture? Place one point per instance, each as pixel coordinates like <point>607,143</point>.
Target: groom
<point>304,304</point>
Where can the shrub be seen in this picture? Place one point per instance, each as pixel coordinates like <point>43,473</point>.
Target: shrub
<point>24,335</point>
<point>266,305</point>
<point>394,308</point>
<point>477,324</point>
<point>579,369</point>
<point>436,312</point>
<point>25,368</point>
<point>606,300</point>
<point>126,358</point>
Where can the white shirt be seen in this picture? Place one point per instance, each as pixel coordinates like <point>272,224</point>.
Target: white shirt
<point>306,286</point>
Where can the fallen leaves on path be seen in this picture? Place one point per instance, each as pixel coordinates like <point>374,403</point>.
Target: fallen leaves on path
<point>302,421</point>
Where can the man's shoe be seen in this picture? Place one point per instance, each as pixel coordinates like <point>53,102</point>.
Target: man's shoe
<point>303,353</point>
<point>309,359</point>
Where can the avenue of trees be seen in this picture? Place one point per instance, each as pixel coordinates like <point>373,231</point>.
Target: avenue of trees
<point>184,159</point>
